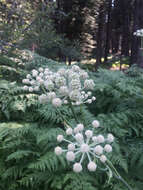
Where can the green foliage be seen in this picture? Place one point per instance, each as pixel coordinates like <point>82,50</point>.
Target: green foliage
<point>28,133</point>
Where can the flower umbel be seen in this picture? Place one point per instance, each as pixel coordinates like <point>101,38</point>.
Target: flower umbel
<point>61,87</point>
<point>85,146</point>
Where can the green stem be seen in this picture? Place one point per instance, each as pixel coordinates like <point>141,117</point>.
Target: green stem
<point>72,109</point>
<point>118,176</point>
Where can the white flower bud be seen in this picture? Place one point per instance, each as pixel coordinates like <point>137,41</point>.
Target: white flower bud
<point>64,91</point>
<point>88,133</point>
<point>69,131</point>
<point>76,130</point>
<point>79,137</point>
<point>58,150</point>
<point>30,89</point>
<point>25,81</point>
<point>75,68</point>
<point>77,167</point>
<point>71,147</point>
<point>28,76</point>
<point>94,139</point>
<point>65,102</point>
<point>75,84</point>
<point>70,156</point>
<point>89,84</point>
<point>89,101</point>
<point>89,93</point>
<point>98,149</point>
<point>93,98</point>
<point>25,88</point>
<point>84,148</point>
<point>60,81</point>
<point>41,69</point>
<point>103,158</point>
<point>83,74</point>
<point>60,138</point>
<point>34,73</point>
<point>91,166</point>
<point>95,124</point>
<point>108,148</point>
<point>43,99</point>
<point>75,95</point>
<point>32,82</point>
<point>41,74</point>
<point>80,127</point>
<point>110,138</point>
<point>36,88</point>
<point>100,139</point>
<point>56,102</point>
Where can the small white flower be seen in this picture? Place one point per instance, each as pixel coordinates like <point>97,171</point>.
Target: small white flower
<point>110,138</point>
<point>43,99</point>
<point>60,138</point>
<point>58,150</point>
<point>103,158</point>
<point>84,148</point>
<point>25,88</point>
<point>75,68</point>
<point>98,149</point>
<point>64,91</point>
<point>36,88</point>
<point>60,81</point>
<point>51,96</point>
<point>34,73</point>
<point>65,102</point>
<point>41,69</point>
<point>89,84</point>
<point>93,98</point>
<point>88,133</point>
<point>71,147</point>
<point>100,139</point>
<point>28,76</point>
<point>80,127</point>
<point>41,74</point>
<point>69,131</point>
<point>91,166</point>
<point>75,95</point>
<point>89,101</point>
<point>76,130</point>
<point>25,81</point>
<point>30,89</point>
<point>94,139</point>
<point>108,148</point>
<point>70,156</point>
<point>95,124</point>
<point>57,102</point>
<point>77,167</point>
<point>89,93</point>
<point>79,137</point>
<point>75,84</point>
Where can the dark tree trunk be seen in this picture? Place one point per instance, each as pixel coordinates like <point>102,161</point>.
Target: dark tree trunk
<point>108,30</point>
<point>101,21</point>
<point>138,24</point>
<point>125,8</point>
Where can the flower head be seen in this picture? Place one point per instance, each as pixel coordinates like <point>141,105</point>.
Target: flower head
<point>85,146</point>
<point>69,85</point>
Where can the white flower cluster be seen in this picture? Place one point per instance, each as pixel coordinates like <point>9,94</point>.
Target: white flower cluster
<point>85,145</point>
<point>61,86</point>
<point>139,33</point>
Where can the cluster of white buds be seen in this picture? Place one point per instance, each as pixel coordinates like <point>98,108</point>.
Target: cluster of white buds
<point>62,86</point>
<point>139,33</point>
<point>85,145</point>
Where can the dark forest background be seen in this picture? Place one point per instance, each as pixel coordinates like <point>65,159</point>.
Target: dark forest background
<point>73,30</point>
